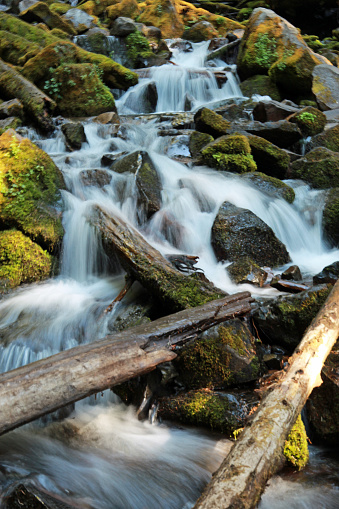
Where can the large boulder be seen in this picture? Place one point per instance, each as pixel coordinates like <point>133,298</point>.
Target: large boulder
<point>40,12</point>
<point>30,183</point>
<point>229,153</point>
<point>271,45</point>
<point>80,20</point>
<point>125,8</point>
<point>201,31</point>
<point>123,26</point>
<point>330,219</point>
<point>269,158</point>
<point>238,232</point>
<point>325,86</point>
<point>284,134</point>
<point>271,186</point>
<point>320,168</point>
<point>209,122</point>
<point>223,356</point>
<point>310,121</point>
<point>15,49</point>
<point>272,111</point>
<point>284,320</point>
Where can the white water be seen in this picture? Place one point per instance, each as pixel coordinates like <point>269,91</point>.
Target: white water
<point>110,459</point>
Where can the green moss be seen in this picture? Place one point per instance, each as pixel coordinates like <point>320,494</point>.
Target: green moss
<point>260,84</point>
<point>330,219</point>
<point>124,8</point>
<point>296,448</point>
<point>209,122</point>
<point>11,123</point>
<point>313,42</point>
<point>29,186</point>
<point>265,51</point>
<point>16,49</point>
<point>138,48</point>
<point>40,12</point>
<point>21,260</point>
<point>328,139</point>
<point>269,158</point>
<point>59,8</point>
<point>23,29</point>
<point>198,141</point>
<point>271,186</point>
<point>230,153</point>
<point>310,121</point>
<point>320,168</point>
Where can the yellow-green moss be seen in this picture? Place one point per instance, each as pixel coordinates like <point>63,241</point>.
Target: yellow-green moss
<point>310,121</point>
<point>296,448</point>
<point>41,12</point>
<point>209,122</point>
<point>11,123</point>
<point>29,32</point>
<point>29,185</point>
<point>269,158</point>
<point>230,153</point>
<point>15,49</point>
<point>59,8</point>
<point>21,260</point>
<point>320,168</point>
<point>125,8</point>
<point>138,47</point>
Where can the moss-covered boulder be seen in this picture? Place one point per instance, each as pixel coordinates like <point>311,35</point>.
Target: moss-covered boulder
<point>138,49</point>
<point>223,356</point>
<point>95,8</point>
<point>15,49</point>
<point>40,12</point>
<point>271,186</point>
<point>320,168</point>
<point>218,411</point>
<point>269,158</point>
<point>245,270</point>
<point>125,8</point>
<point>147,181</point>
<point>21,260</point>
<point>296,446</point>
<point>325,86</point>
<point>198,141</point>
<point>284,320</point>
<point>330,219</point>
<point>29,191</point>
<point>273,47</point>
<point>237,232</point>
<point>81,92</point>
<point>262,85</point>
<point>32,33</point>
<point>229,153</point>
<point>209,122</point>
<point>310,121</point>
<point>328,139</point>
<point>201,31</point>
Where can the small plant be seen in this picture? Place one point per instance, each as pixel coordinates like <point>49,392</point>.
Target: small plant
<point>306,116</point>
<point>265,50</point>
<point>220,21</point>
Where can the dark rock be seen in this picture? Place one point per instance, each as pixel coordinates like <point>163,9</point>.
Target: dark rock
<point>284,320</point>
<point>284,134</point>
<point>97,178</point>
<point>201,31</point>
<point>272,111</point>
<point>292,273</point>
<point>269,158</point>
<point>271,186</point>
<point>246,270</point>
<point>329,274</point>
<point>29,497</point>
<point>121,27</point>
<point>320,168</point>
<point>262,85</point>
<point>287,286</point>
<point>272,361</point>
<point>109,117</point>
<point>238,232</point>
<point>74,133</point>
<point>9,123</point>
<point>12,108</point>
<point>209,122</point>
<point>109,159</point>
<point>198,141</point>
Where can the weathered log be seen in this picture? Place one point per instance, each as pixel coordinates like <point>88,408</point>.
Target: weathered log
<point>39,388</point>
<point>257,455</point>
<point>173,289</point>
<point>37,105</point>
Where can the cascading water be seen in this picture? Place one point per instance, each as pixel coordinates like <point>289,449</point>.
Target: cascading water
<point>102,456</point>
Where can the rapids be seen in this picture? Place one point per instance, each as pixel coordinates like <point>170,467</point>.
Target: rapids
<point>101,456</point>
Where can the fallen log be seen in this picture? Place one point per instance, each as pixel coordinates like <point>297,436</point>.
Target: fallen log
<point>173,289</point>
<point>39,388</point>
<point>37,105</point>
<point>258,453</point>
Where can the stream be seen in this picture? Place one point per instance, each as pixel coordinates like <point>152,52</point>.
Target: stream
<point>101,456</point>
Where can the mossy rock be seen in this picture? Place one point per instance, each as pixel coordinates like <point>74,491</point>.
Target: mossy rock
<point>237,232</point>
<point>201,31</point>
<point>262,85</point>
<point>296,446</point>
<point>29,191</point>
<point>74,133</point>
<point>209,122</point>
<point>330,219</point>
<point>271,186</point>
<point>319,168</point>
<point>269,158</point>
<point>81,92</point>
<point>310,121</point>
<point>94,8</point>
<point>31,33</point>
<point>328,139</point>
<point>9,123</point>
<point>138,49</point>
<point>15,49</point>
<point>223,356</point>
<point>21,260</point>
<point>230,153</point>
<point>124,8</point>
<point>284,320</point>
<point>245,270</point>
<point>59,8</point>
<point>198,141</point>
<point>41,12</point>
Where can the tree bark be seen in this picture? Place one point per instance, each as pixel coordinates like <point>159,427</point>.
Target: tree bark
<point>258,454</point>
<point>173,290</point>
<point>37,105</point>
<point>39,388</point>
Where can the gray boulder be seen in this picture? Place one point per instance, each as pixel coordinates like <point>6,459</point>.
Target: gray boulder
<point>325,86</point>
<point>80,19</point>
<point>122,27</point>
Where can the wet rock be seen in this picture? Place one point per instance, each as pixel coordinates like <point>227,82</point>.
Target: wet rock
<point>292,273</point>
<point>310,121</point>
<point>151,32</point>
<point>198,141</point>
<point>147,180</point>
<point>328,139</point>
<point>74,133</point>
<point>109,117</point>
<point>325,86</point>
<point>329,274</point>
<point>272,111</point>
<point>109,159</point>
<point>12,108</point>
<point>262,85</point>
<point>29,497</point>
<point>284,320</point>
<point>237,232</point>
<point>269,158</point>
<point>222,356</point>
<point>178,147</point>
<point>246,270</point>
<point>271,186</point>
<point>97,178</point>
<point>209,122</point>
<point>284,134</point>
<point>229,153</point>
<point>220,411</point>
<point>121,27</point>
<point>201,31</point>
<point>80,20</point>
<point>320,168</point>
<point>288,286</point>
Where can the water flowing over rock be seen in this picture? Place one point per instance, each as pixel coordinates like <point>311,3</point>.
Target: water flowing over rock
<point>238,232</point>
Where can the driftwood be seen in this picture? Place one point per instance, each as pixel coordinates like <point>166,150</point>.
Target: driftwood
<point>44,386</point>
<point>174,290</point>
<point>257,454</point>
<point>37,105</point>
